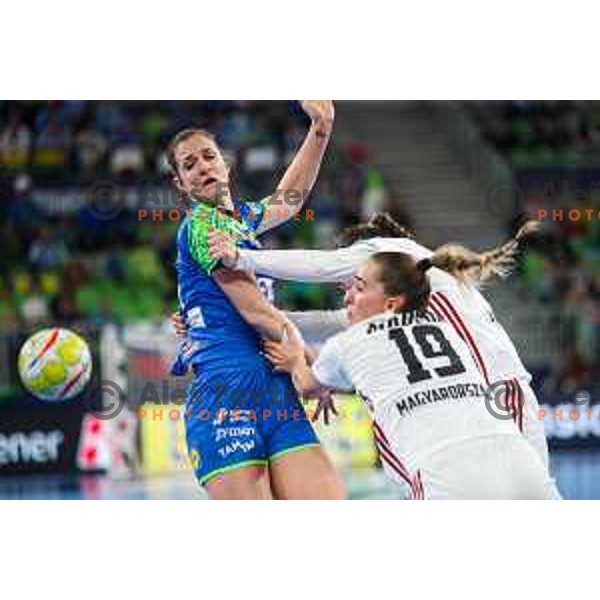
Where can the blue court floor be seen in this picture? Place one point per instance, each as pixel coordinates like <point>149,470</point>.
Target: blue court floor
<point>577,474</point>
<point>369,485</point>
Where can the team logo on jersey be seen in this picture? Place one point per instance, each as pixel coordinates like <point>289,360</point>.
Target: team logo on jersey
<point>195,459</point>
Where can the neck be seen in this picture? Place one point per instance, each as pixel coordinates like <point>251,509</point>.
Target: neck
<point>223,201</point>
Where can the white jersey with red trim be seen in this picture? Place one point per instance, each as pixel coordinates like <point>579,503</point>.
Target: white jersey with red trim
<point>426,396</point>
<point>464,305</point>
<point>470,313</point>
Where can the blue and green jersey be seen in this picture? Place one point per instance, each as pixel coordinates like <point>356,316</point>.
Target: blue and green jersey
<point>218,337</point>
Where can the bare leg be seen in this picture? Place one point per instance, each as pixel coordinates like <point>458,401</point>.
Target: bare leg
<point>246,483</point>
<point>305,474</point>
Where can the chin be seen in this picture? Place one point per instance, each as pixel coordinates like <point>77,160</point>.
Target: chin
<point>352,317</point>
<point>209,196</point>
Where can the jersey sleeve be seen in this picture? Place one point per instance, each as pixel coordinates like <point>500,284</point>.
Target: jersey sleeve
<point>316,326</point>
<point>404,245</point>
<point>328,368</point>
<point>312,266</point>
<point>202,220</point>
<point>253,213</point>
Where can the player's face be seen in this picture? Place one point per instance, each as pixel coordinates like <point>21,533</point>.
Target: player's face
<point>202,172</point>
<point>365,298</point>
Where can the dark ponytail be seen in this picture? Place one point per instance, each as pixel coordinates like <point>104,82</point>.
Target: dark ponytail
<point>379,225</point>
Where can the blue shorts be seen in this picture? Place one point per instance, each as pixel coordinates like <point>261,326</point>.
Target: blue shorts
<point>242,418</point>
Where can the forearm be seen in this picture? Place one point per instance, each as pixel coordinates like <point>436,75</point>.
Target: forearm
<point>312,266</point>
<point>304,381</point>
<point>269,324</point>
<point>297,183</point>
<point>243,293</point>
<point>316,326</point>
<point>303,170</point>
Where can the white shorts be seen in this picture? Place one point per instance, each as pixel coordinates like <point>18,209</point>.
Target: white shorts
<point>533,430</point>
<point>533,426</point>
<point>495,467</point>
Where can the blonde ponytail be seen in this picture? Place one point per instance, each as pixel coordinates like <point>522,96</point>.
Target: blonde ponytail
<point>471,267</point>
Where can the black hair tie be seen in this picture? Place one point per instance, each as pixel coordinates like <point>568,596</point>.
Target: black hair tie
<point>424,265</point>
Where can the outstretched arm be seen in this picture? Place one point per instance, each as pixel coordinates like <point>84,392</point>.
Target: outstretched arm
<point>316,326</point>
<point>316,266</point>
<point>300,176</point>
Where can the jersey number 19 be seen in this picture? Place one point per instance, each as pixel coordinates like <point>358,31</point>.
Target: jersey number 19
<point>423,336</point>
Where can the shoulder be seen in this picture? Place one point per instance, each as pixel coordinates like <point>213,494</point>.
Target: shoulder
<point>252,213</point>
<point>199,218</point>
<point>194,232</point>
<point>345,340</point>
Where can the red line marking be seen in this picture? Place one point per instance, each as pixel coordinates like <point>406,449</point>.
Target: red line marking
<point>47,346</point>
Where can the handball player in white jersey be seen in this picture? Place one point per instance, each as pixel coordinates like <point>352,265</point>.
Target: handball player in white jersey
<point>424,390</point>
<point>454,296</point>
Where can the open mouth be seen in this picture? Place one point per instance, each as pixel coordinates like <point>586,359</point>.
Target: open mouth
<point>208,182</point>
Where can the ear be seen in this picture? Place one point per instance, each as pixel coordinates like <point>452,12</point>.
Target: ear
<point>177,182</point>
<point>395,304</point>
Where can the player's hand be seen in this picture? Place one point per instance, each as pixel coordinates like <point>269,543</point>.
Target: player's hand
<point>325,405</point>
<point>178,324</point>
<point>287,354</point>
<point>222,247</point>
<point>321,113</point>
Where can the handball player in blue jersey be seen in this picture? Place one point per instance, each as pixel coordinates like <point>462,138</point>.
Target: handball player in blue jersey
<point>247,433</point>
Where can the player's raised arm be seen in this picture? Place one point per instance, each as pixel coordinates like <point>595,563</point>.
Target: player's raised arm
<point>300,176</point>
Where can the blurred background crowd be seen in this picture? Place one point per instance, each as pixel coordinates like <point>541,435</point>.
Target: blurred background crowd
<point>553,148</point>
<point>59,263</point>
<point>65,264</point>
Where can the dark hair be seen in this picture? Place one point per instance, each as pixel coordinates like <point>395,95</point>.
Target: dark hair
<point>379,225</point>
<point>401,275</point>
<point>184,201</point>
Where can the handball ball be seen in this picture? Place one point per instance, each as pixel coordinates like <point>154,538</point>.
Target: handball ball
<point>55,364</point>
